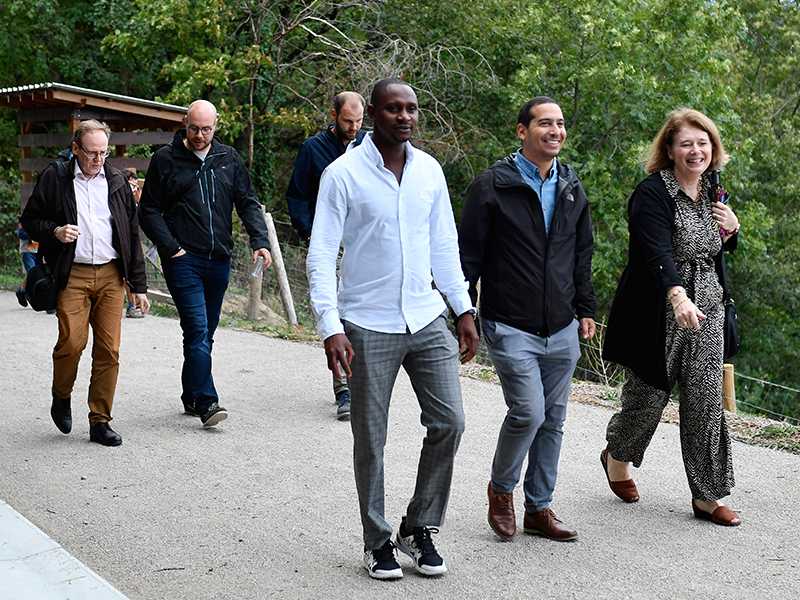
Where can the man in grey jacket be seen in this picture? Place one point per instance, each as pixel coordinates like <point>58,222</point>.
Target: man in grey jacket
<point>526,233</point>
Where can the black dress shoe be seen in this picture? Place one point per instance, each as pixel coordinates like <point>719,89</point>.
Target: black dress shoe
<point>62,414</point>
<point>103,434</point>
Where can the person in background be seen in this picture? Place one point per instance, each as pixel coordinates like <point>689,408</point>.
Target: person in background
<point>666,321</point>
<point>315,154</point>
<point>84,209</point>
<point>132,311</point>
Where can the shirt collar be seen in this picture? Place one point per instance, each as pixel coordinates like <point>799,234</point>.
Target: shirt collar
<point>531,170</point>
<point>374,154</point>
<point>79,174</point>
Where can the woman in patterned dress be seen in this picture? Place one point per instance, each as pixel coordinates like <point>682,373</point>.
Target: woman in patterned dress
<point>666,322</point>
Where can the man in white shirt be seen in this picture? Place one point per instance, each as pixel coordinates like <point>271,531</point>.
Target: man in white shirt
<point>84,217</point>
<point>387,203</point>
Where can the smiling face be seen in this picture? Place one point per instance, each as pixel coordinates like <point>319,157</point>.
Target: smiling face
<point>544,136</point>
<point>691,151</point>
<point>96,144</point>
<point>395,116</point>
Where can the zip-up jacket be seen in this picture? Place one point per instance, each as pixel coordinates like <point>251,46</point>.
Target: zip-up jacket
<point>53,204</point>
<point>529,280</point>
<point>315,154</point>
<point>188,203</point>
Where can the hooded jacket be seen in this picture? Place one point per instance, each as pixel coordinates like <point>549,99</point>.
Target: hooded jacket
<point>53,204</point>
<point>529,280</point>
<point>188,203</point>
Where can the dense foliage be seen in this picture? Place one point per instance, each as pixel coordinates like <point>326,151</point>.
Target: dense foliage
<point>617,67</point>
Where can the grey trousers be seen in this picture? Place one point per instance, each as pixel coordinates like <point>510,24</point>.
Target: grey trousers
<point>536,373</point>
<point>430,357</point>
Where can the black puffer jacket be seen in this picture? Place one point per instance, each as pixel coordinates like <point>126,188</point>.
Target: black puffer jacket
<point>188,203</point>
<point>529,280</point>
<point>45,211</point>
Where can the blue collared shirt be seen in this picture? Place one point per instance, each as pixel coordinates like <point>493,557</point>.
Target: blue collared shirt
<point>545,189</point>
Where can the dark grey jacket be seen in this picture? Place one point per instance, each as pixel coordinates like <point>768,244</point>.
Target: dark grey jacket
<point>529,280</point>
<point>188,203</point>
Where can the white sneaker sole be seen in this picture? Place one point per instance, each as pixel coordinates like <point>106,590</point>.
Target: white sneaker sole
<point>216,418</point>
<point>393,574</point>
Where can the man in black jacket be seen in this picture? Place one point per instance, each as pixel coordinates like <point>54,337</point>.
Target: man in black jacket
<point>526,233</point>
<point>83,215</point>
<point>186,209</point>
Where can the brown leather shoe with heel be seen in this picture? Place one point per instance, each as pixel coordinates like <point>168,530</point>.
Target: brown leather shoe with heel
<point>547,524</point>
<point>722,515</point>
<point>502,519</point>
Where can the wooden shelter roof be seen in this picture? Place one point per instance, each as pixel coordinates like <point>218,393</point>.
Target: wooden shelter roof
<point>61,102</point>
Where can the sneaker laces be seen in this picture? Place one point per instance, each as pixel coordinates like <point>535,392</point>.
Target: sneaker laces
<point>384,553</point>
<point>423,541</point>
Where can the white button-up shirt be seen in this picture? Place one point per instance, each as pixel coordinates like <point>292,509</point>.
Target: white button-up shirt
<point>94,244</point>
<point>397,238</point>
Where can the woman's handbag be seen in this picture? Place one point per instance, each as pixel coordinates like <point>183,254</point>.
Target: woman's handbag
<point>731,331</point>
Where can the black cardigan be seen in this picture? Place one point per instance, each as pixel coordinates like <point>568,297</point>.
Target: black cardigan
<point>636,332</point>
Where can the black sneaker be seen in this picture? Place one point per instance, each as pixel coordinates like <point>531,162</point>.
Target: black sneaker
<point>23,301</point>
<point>214,415</point>
<point>188,409</point>
<point>381,564</point>
<point>419,546</point>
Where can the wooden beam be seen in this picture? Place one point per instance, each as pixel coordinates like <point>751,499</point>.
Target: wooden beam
<point>38,164</point>
<point>63,140</point>
<point>116,106</point>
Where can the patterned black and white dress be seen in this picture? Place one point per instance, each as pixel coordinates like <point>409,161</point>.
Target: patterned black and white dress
<point>693,357</point>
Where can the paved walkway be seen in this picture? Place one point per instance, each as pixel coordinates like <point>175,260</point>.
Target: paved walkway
<point>264,505</point>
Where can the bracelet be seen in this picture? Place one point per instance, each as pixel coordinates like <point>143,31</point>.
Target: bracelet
<point>674,308</point>
<point>680,290</point>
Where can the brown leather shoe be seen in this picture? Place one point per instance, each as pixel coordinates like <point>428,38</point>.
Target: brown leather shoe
<point>722,515</point>
<point>545,523</point>
<point>625,490</point>
<point>501,514</point>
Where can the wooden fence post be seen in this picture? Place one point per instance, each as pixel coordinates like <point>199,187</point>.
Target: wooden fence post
<point>728,388</point>
<point>280,270</point>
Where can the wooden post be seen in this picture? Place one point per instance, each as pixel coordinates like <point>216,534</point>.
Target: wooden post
<point>254,297</point>
<point>280,270</point>
<point>728,388</point>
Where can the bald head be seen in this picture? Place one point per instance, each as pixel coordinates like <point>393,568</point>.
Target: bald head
<point>201,122</point>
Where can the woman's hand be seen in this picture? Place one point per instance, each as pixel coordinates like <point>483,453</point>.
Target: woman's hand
<point>686,313</point>
<point>725,217</point>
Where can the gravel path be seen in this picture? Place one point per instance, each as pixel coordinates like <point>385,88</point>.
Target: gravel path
<point>264,505</point>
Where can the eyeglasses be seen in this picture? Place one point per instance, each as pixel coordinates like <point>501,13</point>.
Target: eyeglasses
<point>195,129</point>
<point>93,155</point>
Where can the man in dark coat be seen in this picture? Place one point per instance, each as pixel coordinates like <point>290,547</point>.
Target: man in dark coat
<point>315,154</point>
<point>186,209</point>
<point>83,215</point>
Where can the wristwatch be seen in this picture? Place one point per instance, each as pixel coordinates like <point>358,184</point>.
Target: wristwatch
<point>471,311</point>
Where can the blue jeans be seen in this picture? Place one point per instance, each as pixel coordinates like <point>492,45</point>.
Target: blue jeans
<point>535,373</point>
<point>198,287</point>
